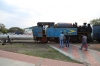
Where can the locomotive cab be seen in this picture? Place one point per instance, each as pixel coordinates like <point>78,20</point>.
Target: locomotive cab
<point>44,26</point>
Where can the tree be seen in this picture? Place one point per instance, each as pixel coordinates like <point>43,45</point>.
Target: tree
<point>2,28</point>
<point>95,22</point>
<point>16,30</point>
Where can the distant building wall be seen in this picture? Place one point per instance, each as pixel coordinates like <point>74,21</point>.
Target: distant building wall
<point>28,31</point>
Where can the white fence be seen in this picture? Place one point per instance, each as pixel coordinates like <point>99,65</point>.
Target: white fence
<point>17,37</point>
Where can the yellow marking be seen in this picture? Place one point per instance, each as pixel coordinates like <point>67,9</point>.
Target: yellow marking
<point>71,31</point>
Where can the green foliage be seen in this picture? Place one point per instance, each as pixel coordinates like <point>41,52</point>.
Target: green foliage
<point>2,28</point>
<point>14,29</point>
<point>95,22</point>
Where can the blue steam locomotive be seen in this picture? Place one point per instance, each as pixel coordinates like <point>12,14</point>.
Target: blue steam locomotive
<point>52,31</point>
<point>96,33</point>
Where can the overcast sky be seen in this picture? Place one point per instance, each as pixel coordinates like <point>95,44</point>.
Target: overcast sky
<point>26,13</point>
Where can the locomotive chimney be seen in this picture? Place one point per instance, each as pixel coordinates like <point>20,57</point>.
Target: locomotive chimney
<point>84,24</point>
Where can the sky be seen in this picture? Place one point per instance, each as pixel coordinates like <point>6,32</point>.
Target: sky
<point>26,13</point>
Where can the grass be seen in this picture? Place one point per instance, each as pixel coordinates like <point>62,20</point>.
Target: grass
<point>39,50</point>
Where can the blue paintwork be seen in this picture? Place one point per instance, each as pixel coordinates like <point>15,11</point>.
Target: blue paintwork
<point>55,32</point>
<point>37,31</point>
<point>96,30</point>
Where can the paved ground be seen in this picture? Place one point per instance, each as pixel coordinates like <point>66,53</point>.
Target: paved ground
<point>14,59</point>
<point>90,58</point>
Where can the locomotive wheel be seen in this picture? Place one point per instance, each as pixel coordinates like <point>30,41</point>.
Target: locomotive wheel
<point>56,40</point>
<point>44,39</point>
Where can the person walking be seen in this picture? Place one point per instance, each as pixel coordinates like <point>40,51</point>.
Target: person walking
<point>84,42</point>
<point>67,40</point>
<point>61,38</point>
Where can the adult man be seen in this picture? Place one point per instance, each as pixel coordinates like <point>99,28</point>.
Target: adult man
<point>84,42</point>
<point>43,27</point>
<point>61,38</point>
<point>67,40</point>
